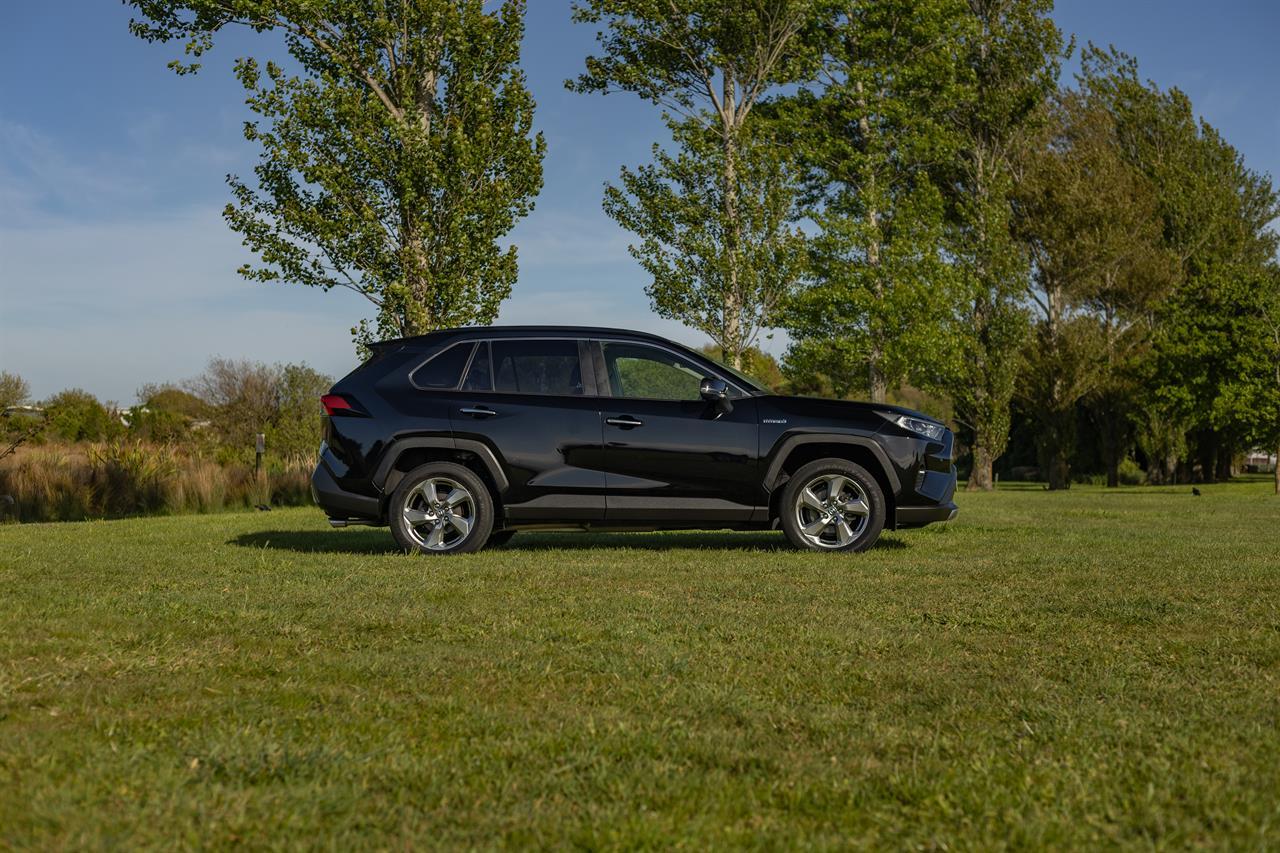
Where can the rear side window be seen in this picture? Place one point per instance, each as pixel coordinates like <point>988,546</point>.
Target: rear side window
<point>537,367</point>
<point>444,370</point>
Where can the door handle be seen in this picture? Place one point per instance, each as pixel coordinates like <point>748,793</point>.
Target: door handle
<point>626,422</point>
<point>479,411</point>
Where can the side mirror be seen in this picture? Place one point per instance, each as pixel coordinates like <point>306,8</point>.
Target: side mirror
<point>716,391</point>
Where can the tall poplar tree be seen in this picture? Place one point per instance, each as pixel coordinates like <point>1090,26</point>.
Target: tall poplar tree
<point>707,64</point>
<point>873,132</point>
<point>1012,50</point>
<point>1090,222</point>
<point>393,161</point>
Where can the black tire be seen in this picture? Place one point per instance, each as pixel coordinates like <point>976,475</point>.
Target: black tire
<point>410,499</point>
<point>499,538</point>
<point>847,527</point>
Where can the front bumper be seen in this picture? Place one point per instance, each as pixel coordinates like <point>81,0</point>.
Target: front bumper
<point>938,488</point>
<point>919,516</point>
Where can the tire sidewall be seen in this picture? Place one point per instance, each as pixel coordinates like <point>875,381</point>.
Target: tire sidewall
<point>480,528</point>
<point>852,470</point>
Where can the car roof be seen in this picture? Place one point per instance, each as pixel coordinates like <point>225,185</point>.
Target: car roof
<point>517,331</point>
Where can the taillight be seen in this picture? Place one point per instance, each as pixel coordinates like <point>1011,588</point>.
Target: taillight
<point>334,403</point>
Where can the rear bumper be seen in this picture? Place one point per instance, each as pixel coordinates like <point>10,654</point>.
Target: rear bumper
<point>337,502</point>
<point>919,516</point>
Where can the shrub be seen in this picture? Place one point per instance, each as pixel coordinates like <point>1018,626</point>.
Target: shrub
<point>1131,474</point>
<point>47,484</point>
<point>76,415</point>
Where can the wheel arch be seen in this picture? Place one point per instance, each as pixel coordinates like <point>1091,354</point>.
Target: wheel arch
<point>797,451</point>
<point>405,454</point>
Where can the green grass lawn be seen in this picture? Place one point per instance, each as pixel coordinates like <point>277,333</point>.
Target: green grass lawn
<point>1088,668</point>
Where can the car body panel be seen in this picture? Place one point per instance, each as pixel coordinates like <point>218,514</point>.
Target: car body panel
<point>684,457</point>
<point>549,447</point>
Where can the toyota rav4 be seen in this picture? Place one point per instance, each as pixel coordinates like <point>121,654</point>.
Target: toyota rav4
<point>458,439</point>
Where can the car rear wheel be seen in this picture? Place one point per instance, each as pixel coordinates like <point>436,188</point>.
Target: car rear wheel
<point>441,508</point>
<point>832,505</point>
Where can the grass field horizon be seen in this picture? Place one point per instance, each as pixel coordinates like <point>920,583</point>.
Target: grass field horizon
<point>1083,668</point>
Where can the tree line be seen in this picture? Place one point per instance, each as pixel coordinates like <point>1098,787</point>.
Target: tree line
<point>908,188</point>
<point>218,413</point>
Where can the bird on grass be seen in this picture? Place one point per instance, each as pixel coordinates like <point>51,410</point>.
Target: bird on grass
<point>1195,491</point>
<point>262,508</point>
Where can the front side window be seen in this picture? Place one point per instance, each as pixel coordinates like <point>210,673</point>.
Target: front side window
<point>443,371</point>
<point>537,367</point>
<point>643,372</point>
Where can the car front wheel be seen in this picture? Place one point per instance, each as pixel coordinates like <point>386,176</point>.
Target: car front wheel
<point>832,505</point>
<point>441,508</point>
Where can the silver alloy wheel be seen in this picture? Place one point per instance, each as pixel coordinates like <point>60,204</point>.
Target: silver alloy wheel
<point>832,511</point>
<point>439,513</point>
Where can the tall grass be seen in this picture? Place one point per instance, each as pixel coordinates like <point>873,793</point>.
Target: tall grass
<point>77,482</point>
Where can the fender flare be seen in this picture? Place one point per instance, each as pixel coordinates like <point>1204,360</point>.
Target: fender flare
<point>790,443</point>
<point>397,448</point>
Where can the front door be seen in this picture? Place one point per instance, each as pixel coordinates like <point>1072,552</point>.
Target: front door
<point>531,401</point>
<point>671,457</point>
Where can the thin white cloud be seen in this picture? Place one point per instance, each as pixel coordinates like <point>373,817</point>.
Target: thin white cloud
<point>108,306</point>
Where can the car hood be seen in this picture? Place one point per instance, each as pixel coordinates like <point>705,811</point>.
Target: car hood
<point>824,408</point>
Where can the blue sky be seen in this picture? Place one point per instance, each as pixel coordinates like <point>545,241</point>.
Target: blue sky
<point>116,268</point>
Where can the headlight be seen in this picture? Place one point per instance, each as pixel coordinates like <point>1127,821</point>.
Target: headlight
<point>930,430</point>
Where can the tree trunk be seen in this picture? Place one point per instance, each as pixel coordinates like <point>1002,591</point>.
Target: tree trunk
<point>733,231</point>
<point>1278,470</point>
<point>1111,447</point>
<point>875,377</point>
<point>1059,471</point>
<point>876,384</point>
<point>980,479</point>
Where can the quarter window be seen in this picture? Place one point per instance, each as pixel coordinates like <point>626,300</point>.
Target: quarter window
<point>643,372</point>
<point>444,370</point>
<point>537,367</point>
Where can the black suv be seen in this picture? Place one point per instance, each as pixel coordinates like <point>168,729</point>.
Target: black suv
<point>459,438</point>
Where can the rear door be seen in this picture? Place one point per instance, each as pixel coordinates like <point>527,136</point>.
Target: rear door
<point>672,458</point>
<point>533,401</point>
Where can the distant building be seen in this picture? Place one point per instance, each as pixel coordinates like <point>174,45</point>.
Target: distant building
<point>33,412</point>
<point>1260,462</point>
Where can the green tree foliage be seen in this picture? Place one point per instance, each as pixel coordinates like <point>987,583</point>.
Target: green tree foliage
<point>872,135</point>
<point>14,390</point>
<point>707,63</point>
<point>393,162</point>
<point>166,414</point>
<point>295,429</point>
<point>757,364</point>
<point>1011,51</point>
<point>677,207</point>
<point>76,415</point>
<point>244,398</point>
<point>1089,220</point>
<point>1215,216</point>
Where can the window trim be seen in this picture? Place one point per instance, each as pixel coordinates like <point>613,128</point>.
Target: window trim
<point>461,377</point>
<point>590,360</point>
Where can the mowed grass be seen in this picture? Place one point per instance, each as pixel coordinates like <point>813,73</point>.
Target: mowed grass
<point>1075,669</point>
